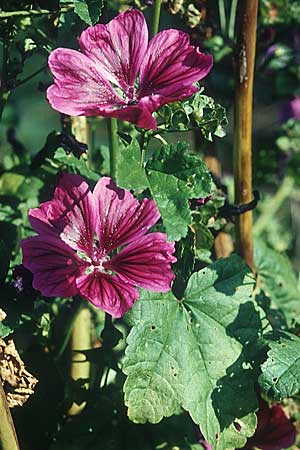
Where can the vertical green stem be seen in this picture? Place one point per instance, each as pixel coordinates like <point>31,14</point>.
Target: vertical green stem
<point>112,125</point>
<point>156,17</point>
<point>246,45</point>
<point>8,437</point>
<point>232,17</point>
<point>4,92</point>
<point>222,15</point>
<point>81,332</point>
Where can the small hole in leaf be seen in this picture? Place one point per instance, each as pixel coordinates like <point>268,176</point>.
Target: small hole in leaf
<point>237,426</point>
<point>153,327</point>
<point>275,379</point>
<point>217,436</point>
<point>175,374</point>
<point>280,284</point>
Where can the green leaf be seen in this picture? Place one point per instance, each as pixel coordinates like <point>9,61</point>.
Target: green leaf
<point>89,10</point>
<point>130,173</point>
<point>277,279</point>
<point>175,159</point>
<point>280,376</point>
<point>77,164</point>
<point>193,354</point>
<point>171,196</point>
<point>173,177</point>
<point>209,116</point>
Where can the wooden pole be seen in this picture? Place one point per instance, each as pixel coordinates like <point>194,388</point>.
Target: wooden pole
<point>8,436</point>
<point>246,45</point>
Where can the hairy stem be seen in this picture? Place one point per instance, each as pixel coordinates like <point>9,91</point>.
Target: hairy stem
<point>156,17</point>
<point>246,44</point>
<point>8,437</point>
<point>112,125</point>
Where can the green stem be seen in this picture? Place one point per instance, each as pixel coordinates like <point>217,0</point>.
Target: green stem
<point>78,304</point>
<point>4,92</point>
<point>112,125</point>
<point>222,15</point>
<point>32,12</point>
<point>8,437</point>
<point>273,204</point>
<point>156,17</point>
<point>32,75</point>
<point>232,18</point>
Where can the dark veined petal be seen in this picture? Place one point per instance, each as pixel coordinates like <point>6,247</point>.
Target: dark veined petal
<point>107,292</point>
<point>54,265</point>
<point>71,215</point>
<point>146,262</point>
<point>121,217</point>
<point>172,65</point>
<point>118,47</point>
<point>79,88</point>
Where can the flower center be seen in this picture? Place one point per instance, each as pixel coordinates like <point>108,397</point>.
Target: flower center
<point>96,259</point>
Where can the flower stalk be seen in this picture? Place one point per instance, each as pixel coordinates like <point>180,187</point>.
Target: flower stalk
<point>81,331</point>
<point>8,436</point>
<point>246,43</point>
<point>112,127</point>
<point>156,18</point>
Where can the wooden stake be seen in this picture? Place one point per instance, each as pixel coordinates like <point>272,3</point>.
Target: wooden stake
<point>8,436</point>
<point>246,44</point>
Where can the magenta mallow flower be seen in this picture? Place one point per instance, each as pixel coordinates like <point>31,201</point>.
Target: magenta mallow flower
<point>119,74</point>
<point>79,232</point>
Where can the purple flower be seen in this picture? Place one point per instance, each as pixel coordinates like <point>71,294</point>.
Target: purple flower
<point>290,110</point>
<point>79,232</point>
<point>274,430</point>
<point>119,74</point>
<point>22,280</point>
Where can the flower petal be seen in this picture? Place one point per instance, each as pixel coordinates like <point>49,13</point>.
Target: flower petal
<point>118,47</point>
<point>107,292</point>
<point>79,88</point>
<point>122,218</point>
<point>71,214</point>
<point>146,262</point>
<point>53,264</point>
<point>139,114</point>
<point>172,65</point>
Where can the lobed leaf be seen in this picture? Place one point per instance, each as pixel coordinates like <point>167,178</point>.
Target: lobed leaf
<point>276,277</point>
<point>280,376</point>
<point>193,354</point>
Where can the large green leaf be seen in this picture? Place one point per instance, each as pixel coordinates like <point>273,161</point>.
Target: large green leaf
<point>276,277</point>
<point>175,159</point>
<point>173,176</point>
<point>193,354</point>
<point>280,376</point>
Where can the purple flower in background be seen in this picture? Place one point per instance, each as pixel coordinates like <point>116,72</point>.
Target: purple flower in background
<point>274,430</point>
<point>78,234</point>
<point>119,74</point>
<point>22,280</point>
<point>290,110</point>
